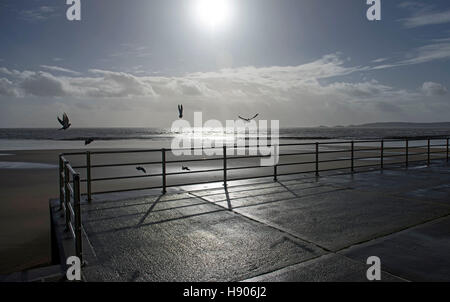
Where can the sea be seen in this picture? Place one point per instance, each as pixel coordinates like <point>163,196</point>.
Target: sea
<point>73,138</point>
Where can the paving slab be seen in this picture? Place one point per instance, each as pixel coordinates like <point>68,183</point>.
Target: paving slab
<point>421,253</point>
<point>342,218</point>
<point>167,240</point>
<point>327,268</point>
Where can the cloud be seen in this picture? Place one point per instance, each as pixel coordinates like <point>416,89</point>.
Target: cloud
<point>7,88</point>
<point>423,14</point>
<point>42,84</point>
<point>60,69</point>
<point>311,93</point>
<point>131,50</point>
<point>427,19</point>
<point>39,14</point>
<point>308,94</point>
<point>379,60</point>
<point>238,82</point>
<point>434,89</point>
<point>437,50</point>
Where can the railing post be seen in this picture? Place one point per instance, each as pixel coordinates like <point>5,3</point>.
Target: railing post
<point>77,210</point>
<point>407,152</point>
<point>275,174</point>
<point>429,147</point>
<point>382,154</point>
<point>163,154</point>
<point>447,149</point>
<point>67,194</point>
<point>225,166</point>
<point>353,156</point>
<point>88,176</point>
<point>317,159</point>
<point>61,182</point>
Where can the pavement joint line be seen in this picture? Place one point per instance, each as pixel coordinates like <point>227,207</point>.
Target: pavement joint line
<point>288,266</point>
<point>317,257</point>
<point>255,189</point>
<point>267,202</point>
<point>187,198</point>
<point>89,242</point>
<point>271,226</point>
<point>340,252</point>
<point>381,236</point>
<point>383,270</point>
<point>284,188</point>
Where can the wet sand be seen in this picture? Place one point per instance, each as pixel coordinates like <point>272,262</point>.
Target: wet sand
<point>24,214</point>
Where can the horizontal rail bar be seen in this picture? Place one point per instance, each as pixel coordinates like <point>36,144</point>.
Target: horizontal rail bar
<point>127,190</point>
<point>194,172</point>
<point>123,177</point>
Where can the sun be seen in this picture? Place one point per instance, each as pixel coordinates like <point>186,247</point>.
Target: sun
<point>212,14</point>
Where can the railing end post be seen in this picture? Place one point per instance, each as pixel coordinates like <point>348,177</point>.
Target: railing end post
<point>88,176</point>
<point>317,159</point>
<point>275,173</point>
<point>225,165</point>
<point>163,162</point>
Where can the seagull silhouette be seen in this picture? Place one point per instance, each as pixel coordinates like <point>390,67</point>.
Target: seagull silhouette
<point>141,169</point>
<point>64,122</point>
<point>185,168</point>
<point>248,119</point>
<point>180,111</point>
<point>87,141</point>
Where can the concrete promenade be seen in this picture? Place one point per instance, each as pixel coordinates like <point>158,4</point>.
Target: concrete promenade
<point>300,228</point>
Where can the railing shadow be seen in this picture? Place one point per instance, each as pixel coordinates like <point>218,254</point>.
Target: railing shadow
<point>149,211</point>
<point>228,207</point>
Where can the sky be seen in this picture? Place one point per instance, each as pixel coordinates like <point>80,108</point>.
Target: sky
<point>302,62</point>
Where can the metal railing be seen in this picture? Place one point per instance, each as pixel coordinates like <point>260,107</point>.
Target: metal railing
<point>384,155</point>
<point>69,179</point>
<point>69,199</point>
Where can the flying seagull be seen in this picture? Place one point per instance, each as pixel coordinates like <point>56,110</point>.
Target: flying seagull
<point>64,122</point>
<point>141,169</point>
<point>87,141</point>
<point>185,168</point>
<point>180,111</point>
<point>248,119</point>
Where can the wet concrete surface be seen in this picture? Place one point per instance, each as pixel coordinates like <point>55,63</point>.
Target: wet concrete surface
<point>296,229</point>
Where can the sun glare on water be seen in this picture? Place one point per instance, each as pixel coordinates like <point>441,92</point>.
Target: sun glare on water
<point>212,14</point>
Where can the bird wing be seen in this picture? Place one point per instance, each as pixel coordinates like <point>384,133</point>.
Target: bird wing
<point>243,118</point>
<point>65,118</point>
<point>255,116</point>
<point>60,121</point>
